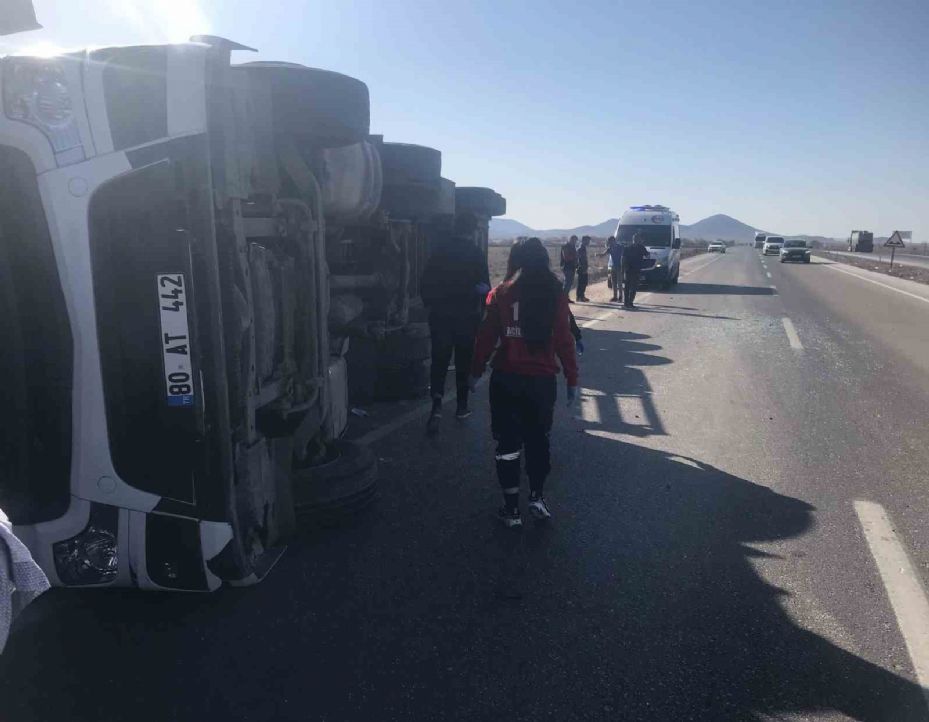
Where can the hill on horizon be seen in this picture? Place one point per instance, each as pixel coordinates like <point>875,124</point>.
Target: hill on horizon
<point>711,228</point>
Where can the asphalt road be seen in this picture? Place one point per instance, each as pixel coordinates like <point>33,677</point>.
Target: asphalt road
<point>740,533</point>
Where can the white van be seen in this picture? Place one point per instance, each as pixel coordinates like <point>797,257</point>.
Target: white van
<point>661,228</point>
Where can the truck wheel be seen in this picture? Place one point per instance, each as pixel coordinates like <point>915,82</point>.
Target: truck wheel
<point>343,482</point>
<point>411,200</point>
<point>410,381</point>
<point>405,162</point>
<point>328,109</point>
<point>409,344</point>
<point>482,201</point>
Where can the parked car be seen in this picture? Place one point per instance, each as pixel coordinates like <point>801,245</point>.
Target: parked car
<point>772,245</point>
<point>795,250</point>
<point>716,247</point>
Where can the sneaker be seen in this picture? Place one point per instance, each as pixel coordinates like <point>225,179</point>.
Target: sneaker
<point>462,412</point>
<point>432,425</point>
<point>538,508</point>
<point>510,519</point>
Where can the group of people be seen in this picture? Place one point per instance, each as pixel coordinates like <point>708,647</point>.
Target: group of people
<point>624,267</point>
<point>524,328</point>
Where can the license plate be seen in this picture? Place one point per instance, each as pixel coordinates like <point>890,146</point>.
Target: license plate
<point>175,338</point>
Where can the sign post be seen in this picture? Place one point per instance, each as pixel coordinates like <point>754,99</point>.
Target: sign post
<point>893,243</point>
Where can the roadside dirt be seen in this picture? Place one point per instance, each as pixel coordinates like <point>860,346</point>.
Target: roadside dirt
<point>910,273</point>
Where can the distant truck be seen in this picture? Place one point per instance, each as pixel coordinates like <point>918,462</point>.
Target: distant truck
<point>760,238</point>
<point>861,242</point>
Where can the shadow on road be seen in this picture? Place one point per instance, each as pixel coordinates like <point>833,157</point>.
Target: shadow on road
<point>639,601</point>
<point>621,401</point>
<point>721,289</point>
<point>650,308</point>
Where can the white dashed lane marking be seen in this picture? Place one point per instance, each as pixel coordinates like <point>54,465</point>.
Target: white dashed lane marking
<point>792,335</point>
<point>903,586</point>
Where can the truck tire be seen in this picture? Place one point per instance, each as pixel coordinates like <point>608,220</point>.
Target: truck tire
<point>405,162</point>
<point>327,109</point>
<point>412,200</point>
<point>402,347</point>
<point>404,382</point>
<point>482,201</point>
<point>344,482</point>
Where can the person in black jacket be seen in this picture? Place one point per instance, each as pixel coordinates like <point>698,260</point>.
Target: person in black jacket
<point>454,285</point>
<point>633,261</point>
<point>582,267</point>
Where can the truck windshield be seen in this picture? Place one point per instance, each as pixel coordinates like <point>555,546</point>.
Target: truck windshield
<point>795,244</point>
<point>655,236</point>
<point>775,239</point>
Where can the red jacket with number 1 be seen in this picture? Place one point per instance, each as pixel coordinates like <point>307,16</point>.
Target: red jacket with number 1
<point>501,326</point>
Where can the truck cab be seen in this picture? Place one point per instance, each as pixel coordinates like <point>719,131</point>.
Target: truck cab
<point>165,299</point>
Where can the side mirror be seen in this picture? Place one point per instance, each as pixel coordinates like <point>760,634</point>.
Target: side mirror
<point>676,243</point>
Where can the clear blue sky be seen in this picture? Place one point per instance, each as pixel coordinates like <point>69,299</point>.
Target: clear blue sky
<point>795,116</point>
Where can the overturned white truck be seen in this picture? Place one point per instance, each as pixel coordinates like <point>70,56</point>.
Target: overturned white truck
<point>168,221</point>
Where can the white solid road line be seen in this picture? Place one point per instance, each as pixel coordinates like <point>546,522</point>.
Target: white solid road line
<point>602,317</point>
<point>902,584</point>
<point>792,335</point>
<point>641,296</point>
<point>701,267</point>
<point>877,283</point>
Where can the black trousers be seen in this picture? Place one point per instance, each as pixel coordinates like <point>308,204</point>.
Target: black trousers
<point>451,335</point>
<point>582,278</point>
<point>521,412</point>
<point>632,285</point>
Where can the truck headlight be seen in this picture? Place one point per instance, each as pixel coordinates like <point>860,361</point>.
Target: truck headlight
<point>90,557</point>
<point>35,91</point>
<point>657,265</point>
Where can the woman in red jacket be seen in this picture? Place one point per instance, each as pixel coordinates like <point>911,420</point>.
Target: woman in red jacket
<point>527,315</point>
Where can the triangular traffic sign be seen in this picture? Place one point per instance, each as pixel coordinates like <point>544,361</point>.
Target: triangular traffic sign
<point>895,241</point>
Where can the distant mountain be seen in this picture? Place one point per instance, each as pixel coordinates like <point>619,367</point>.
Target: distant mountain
<point>501,228</point>
<point>719,226</point>
<point>505,228</point>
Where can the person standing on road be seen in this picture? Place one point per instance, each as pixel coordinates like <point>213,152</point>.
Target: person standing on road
<point>614,253</point>
<point>453,285</point>
<point>526,328</point>
<point>569,262</point>
<point>633,260</point>
<point>582,268</point>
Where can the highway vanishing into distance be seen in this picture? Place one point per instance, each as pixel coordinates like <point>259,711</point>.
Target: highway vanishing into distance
<point>741,532</point>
